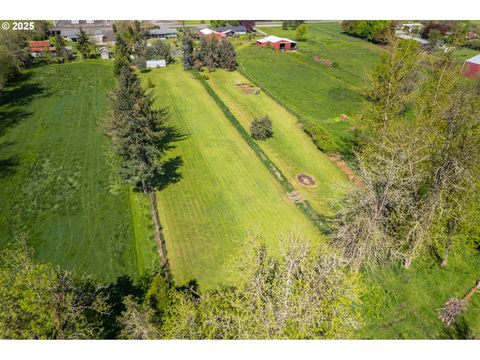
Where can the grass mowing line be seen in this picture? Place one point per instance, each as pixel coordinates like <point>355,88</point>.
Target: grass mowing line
<point>223,190</point>
<point>290,148</point>
<point>319,221</point>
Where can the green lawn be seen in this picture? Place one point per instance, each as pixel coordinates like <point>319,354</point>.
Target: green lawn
<point>57,181</point>
<point>224,190</point>
<point>289,148</point>
<point>318,93</point>
<point>406,301</point>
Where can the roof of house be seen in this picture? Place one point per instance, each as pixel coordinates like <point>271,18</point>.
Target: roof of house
<point>239,28</point>
<point>474,60</point>
<point>162,31</point>
<point>274,39</point>
<point>68,32</point>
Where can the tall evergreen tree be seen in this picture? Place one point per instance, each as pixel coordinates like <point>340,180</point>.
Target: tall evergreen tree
<point>60,48</point>
<point>188,56</point>
<point>122,54</point>
<point>228,54</point>
<point>141,138</point>
<point>83,44</point>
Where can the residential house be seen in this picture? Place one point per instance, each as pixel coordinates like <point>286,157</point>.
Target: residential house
<point>232,30</point>
<point>162,33</point>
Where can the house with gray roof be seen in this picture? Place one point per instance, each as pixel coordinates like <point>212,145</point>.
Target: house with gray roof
<point>232,30</point>
<point>162,33</point>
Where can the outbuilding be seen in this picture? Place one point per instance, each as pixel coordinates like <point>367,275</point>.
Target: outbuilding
<point>39,48</point>
<point>277,43</point>
<point>471,67</point>
<point>156,64</point>
<point>104,53</point>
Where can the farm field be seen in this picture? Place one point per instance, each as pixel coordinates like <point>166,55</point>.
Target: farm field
<point>223,191</point>
<point>289,148</point>
<point>406,301</point>
<point>57,183</point>
<point>318,93</point>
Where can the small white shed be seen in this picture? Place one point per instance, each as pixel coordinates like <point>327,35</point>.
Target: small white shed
<point>156,63</point>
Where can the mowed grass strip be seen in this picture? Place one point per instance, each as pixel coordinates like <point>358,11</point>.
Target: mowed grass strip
<point>224,191</point>
<point>57,182</point>
<point>289,148</point>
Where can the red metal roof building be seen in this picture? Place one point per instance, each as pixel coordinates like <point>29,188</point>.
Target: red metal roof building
<point>471,67</point>
<point>39,47</point>
<point>277,43</point>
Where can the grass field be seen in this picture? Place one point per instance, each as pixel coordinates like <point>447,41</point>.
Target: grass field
<point>318,93</point>
<point>289,148</point>
<point>224,190</point>
<point>56,179</point>
<point>406,301</point>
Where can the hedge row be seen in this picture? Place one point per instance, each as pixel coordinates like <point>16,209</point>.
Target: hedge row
<point>305,207</point>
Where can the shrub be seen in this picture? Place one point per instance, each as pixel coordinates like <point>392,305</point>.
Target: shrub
<point>261,129</point>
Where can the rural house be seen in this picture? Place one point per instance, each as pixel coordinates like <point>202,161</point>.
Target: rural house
<point>212,33</point>
<point>277,43</point>
<point>232,30</point>
<point>162,33</point>
<point>39,48</point>
<point>471,67</point>
<point>156,64</point>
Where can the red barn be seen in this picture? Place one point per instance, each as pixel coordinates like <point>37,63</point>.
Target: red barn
<point>471,67</point>
<point>277,43</point>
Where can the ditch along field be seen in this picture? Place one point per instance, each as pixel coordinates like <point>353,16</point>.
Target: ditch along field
<point>221,192</point>
<point>57,181</point>
<point>290,148</point>
<point>319,82</point>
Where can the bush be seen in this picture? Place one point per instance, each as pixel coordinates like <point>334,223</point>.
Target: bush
<point>473,44</point>
<point>261,129</point>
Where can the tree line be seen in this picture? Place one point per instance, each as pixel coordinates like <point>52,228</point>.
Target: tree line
<point>418,157</point>
<point>140,133</point>
<point>304,292</point>
<point>210,52</point>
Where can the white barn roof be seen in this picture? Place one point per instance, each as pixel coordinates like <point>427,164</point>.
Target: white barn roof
<point>474,60</point>
<point>207,31</point>
<point>274,39</point>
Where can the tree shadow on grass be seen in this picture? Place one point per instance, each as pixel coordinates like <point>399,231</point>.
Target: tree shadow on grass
<point>171,173</point>
<point>7,166</point>
<point>123,287</point>
<point>17,95</point>
<point>459,330</point>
